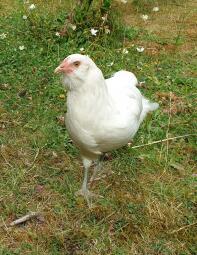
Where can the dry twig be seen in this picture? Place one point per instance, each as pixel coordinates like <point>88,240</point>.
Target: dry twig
<point>162,140</point>
<point>184,227</point>
<point>23,219</point>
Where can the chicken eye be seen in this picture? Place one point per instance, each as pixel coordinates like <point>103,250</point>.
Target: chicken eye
<point>76,63</point>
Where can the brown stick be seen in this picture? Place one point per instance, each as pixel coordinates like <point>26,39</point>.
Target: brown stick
<point>24,219</point>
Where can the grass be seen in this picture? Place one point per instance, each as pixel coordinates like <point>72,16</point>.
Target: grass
<point>149,204</point>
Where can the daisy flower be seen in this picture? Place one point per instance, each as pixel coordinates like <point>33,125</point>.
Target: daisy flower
<point>125,51</point>
<point>140,49</point>
<point>144,17</point>
<point>123,1</point>
<point>57,34</point>
<point>110,64</point>
<point>104,18</point>
<point>93,31</point>
<point>155,9</point>
<point>22,47</point>
<point>32,7</point>
<point>3,36</point>
<point>73,27</point>
<point>107,31</point>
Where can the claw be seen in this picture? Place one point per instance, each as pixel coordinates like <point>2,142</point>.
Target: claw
<point>88,195</point>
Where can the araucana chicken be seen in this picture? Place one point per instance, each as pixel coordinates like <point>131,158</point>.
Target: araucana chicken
<point>102,114</point>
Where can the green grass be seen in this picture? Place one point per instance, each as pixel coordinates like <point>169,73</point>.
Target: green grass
<point>149,194</point>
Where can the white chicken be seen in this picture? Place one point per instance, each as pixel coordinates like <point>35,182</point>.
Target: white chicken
<point>102,114</point>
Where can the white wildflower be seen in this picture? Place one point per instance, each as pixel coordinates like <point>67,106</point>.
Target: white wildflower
<point>155,9</point>
<point>144,17</point>
<point>24,17</point>
<point>54,154</point>
<point>73,27</point>
<point>107,31</point>
<point>81,49</point>
<point>104,18</point>
<point>57,34</point>
<point>123,1</point>
<point>141,83</point>
<point>125,51</point>
<point>140,49</point>
<point>32,7</point>
<point>22,47</point>
<point>3,36</point>
<point>93,31</point>
<point>110,64</point>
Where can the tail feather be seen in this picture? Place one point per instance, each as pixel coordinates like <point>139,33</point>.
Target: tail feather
<point>153,106</point>
<point>147,107</point>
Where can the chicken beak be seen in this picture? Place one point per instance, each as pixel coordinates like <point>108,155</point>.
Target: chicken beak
<point>61,68</point>
<point>58,70</point>
<point>64,67</point>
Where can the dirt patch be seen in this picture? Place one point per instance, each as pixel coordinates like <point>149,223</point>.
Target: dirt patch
<point>172,103</point>
<point>175,23</point>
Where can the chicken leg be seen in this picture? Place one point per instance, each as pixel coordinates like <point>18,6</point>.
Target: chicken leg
<point>84,189</point>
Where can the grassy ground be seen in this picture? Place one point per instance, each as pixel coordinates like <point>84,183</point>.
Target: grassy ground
<point>149,204</point>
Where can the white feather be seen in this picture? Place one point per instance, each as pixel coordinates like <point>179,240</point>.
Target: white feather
<point>103,114</point>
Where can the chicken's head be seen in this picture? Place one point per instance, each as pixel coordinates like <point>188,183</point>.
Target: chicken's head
<point>75,69</point>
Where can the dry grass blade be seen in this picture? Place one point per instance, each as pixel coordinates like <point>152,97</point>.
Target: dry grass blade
<point>184,227</point>
<point>4,157</point>
<point>32,164</point>
<point>162,140</point>
<point>168,128</point>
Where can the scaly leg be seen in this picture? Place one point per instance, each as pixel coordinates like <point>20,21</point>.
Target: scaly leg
<point>97,168</point>
<point>84,189</point>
